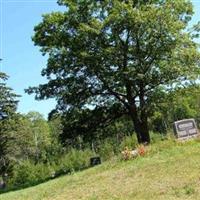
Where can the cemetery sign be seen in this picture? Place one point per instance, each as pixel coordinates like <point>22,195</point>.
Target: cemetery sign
<point>185,129</point>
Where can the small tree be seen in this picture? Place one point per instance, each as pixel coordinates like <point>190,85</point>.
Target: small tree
<point>104,53</point>
<point>40,136</point>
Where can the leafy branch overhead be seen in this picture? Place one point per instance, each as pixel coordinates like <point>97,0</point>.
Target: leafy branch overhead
<point>107,52</point>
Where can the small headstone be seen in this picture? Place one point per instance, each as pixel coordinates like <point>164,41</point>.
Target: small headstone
<point>185,129</point>
<point>95,161</point>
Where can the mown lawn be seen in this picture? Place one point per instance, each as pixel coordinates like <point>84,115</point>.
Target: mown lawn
<point>169,171</point>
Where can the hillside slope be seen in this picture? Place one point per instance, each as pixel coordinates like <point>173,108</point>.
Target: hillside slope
<point>170,171</point>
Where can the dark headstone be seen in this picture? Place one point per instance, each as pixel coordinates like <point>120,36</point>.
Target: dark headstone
<point>95,161</point>
<point>185,129</point>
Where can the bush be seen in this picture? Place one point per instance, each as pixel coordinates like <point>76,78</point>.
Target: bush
<point>107,150</point>
<point>129,141</point>
<point>157,137</point>
<point>74,160</point>
<point>26,173</point>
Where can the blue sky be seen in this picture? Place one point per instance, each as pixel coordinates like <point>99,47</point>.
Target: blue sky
<point>22,61</point>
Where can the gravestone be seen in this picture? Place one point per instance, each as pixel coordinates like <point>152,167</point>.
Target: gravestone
<point>185,129</point>
<point>95,161</point>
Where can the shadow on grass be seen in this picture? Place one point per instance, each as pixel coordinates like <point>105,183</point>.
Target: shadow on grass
<point>34,183</point>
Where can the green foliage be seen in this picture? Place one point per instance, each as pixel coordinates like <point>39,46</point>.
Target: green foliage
<point>87,123</point>
<point>129,141</point>
<point>107,150</point>
<point>179,104</point>
<point>8,105</point>
<point>40,133</point>
<point>74,160</point>
<point>27,173</point>
<point>8,99</point>
<point>31,138</point>
<point>158,123</point>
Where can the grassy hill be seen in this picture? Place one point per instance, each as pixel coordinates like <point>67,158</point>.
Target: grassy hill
<point>171,170</point>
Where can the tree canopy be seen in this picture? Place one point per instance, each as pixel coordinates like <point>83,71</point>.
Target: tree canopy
<point>107,53</point>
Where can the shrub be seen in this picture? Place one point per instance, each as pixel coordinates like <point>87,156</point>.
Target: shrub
<point>128,141</point>
<point>26,173</point>
<point>75,160</point>
<point>107,150</point>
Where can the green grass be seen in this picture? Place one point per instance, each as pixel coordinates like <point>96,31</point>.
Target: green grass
<point>169,171</point>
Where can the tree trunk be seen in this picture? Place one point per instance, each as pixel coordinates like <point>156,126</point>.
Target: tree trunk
<point>141,127</point>
<point>138,114</point>
<point>142,131</point>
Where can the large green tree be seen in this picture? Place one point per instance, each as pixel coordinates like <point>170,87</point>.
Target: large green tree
<point>116,52</point>
<point>8,105</point>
